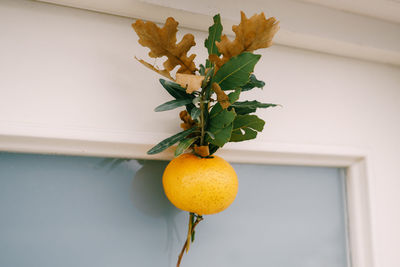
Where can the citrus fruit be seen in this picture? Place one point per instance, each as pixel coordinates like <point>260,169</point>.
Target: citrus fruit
<point>200,185</point>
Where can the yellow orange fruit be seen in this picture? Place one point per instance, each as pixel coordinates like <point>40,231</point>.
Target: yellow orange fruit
<point>200,185</point>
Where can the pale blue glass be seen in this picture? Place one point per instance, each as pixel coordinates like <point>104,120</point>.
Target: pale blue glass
<point>66,211</point>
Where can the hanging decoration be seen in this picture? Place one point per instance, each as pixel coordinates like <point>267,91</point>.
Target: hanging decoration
<point>199,181</point>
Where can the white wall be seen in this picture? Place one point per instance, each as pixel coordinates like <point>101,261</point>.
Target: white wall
<point>71,73</point>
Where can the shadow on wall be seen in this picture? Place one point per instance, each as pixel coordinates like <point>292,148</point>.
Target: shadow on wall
<point>148,197</point>
<point>147,191</point>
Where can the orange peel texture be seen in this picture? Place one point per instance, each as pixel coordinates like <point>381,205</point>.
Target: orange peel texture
<point>200,185</point>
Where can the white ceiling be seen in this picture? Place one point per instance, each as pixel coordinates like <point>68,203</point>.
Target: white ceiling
<point>382,9</point>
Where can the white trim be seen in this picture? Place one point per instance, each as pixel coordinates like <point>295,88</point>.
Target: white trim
<point>87,141</point>
<point>354,160</point>
<point>386,10</point>
<point>197,21</point>
<point>359,206</point>
<point>136,147</point>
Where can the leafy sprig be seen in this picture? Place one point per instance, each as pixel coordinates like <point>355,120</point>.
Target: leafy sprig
<point>213,114</point>
<point>210,93</point>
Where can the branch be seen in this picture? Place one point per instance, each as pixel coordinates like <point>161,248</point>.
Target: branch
<point>198,219</point>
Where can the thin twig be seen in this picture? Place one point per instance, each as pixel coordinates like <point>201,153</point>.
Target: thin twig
<point>198,219</point>
<point>202,118</point>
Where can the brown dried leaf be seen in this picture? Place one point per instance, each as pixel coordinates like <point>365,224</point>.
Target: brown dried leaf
<point>189,81</point>
<point>202,151</point>
<point>162,42</point>
<point>164,73</point>
<point>251,34</point>
<point>222,98</point>
<point>187,120</point>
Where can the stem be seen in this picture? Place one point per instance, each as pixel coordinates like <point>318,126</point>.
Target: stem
<point>199,218</point>
<point>202,124</point>
<point>189,234</point>
<point>205,96</point>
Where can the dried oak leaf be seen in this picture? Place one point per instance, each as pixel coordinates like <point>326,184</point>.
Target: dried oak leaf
<point>162,42</point>
<point>187,120</point>
<point>222,98</point>
<point>164,73</point>
<point>189,81</point>
<point>251,34</point>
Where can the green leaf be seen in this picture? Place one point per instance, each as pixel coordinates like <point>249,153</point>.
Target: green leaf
<point>195,113</point>
<point>173,104</point>
<point>220,125</point>
<point>192,222</point>
<point>209,74</point>
<point>214,34</point>
<point>222,119</point>
<point>222,135</point>
<point>184,144</point>
<point>252,83</point>
<point>243,135</point>
<point>244,111</point>
<point>245,127</point>
<point>193,236</point>
<point>190,107</point>
<point>213,148</point>
<point>234,96</point>
<point>196,100</point>
<point>208,63</point>
<point>175,89</point>
<point>247,107</point>
<point>235,73</point>
<point>202,69</point>
<point>212,136</point>
<point>170,141</point>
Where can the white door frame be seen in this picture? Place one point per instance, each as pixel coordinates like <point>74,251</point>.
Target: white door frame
<point>355,162</point>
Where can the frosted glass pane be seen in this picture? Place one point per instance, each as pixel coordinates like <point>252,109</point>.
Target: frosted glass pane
<point>85,211</point>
